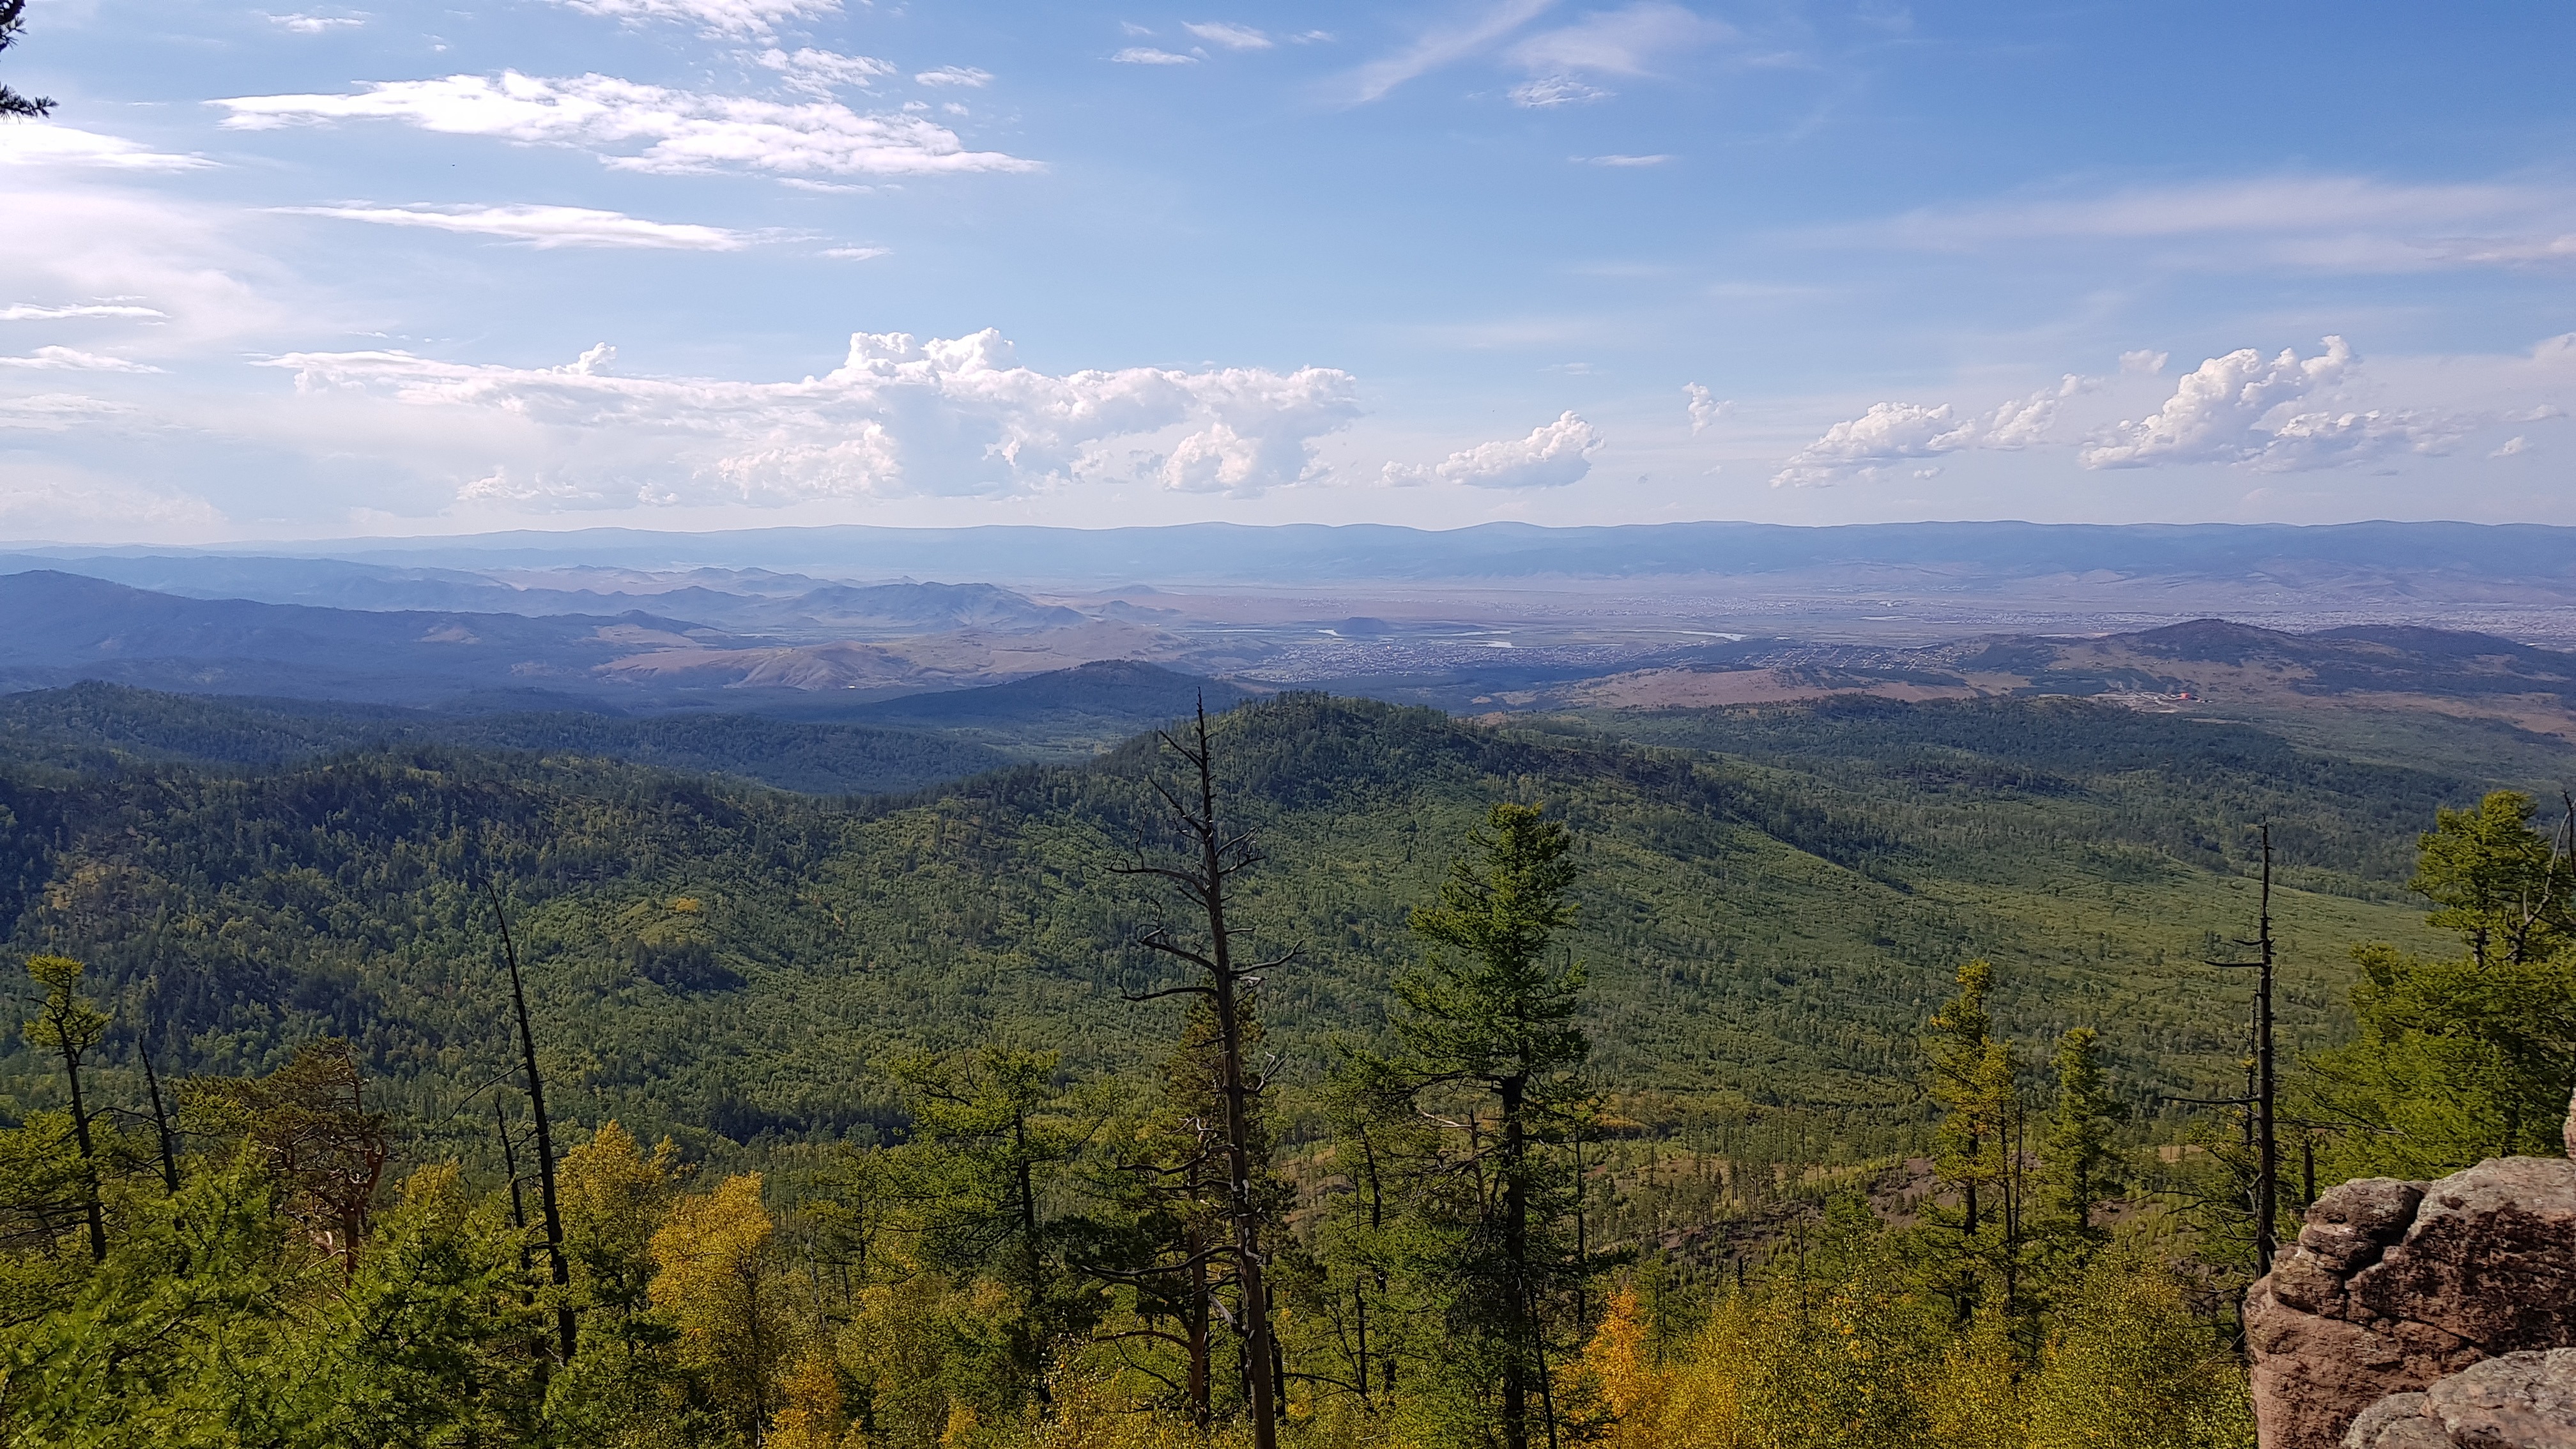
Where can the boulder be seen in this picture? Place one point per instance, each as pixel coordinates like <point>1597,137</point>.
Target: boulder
<point>2519,1401</point>
<point>2396,1286</point>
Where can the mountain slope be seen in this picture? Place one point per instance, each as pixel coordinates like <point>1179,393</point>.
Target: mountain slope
<point>1765,924</point>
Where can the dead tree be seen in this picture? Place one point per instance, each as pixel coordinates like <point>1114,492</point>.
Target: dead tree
<point>1204,879</point>
<point>567,1327</point>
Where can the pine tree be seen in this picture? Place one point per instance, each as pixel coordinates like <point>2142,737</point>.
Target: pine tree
<point>1490,1017</point>
<point>2078,1156</point>
<point>13,18</point>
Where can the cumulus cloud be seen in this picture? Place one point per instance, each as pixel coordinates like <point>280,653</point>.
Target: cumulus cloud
<point>678,132</point>
<point>818,72</point>
<point>2240,409</point>
<point>2513,447</point>
<point>1230,37</point>
<point>1705,408</point>
<point>69,360</point>
<point>955,75</point>
<point>956,417</point>
<point>1148,55</point>
<point>1892,433</point>
<point>1552,456</point>
<point>544,227</point>
<point>31,312</point>
<point>712,17</point>
<point>42,143</point>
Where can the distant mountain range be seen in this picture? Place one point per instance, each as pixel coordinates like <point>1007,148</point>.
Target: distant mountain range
<point>1223,553</point>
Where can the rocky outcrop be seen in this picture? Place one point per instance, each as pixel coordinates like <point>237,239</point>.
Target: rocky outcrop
<point>2395,1286</point>
<point>2519,1401</point>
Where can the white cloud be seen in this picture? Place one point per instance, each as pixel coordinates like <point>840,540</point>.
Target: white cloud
<point>817,72</point>
<point>1548,92</point>
<point>70,360</point>
<point>1618,160</point>
<point>31,312</point>
<point>544,227</point>
<point>1552,456</point>
<point>1626,41</point>
<point>712,17</point>
<point>1705,409</point>
<point>680,131</point>
<point>1890,433</point>
<point>955,75</point>
<point>2218,410</point>
<point>2513,446</point>
<point>313,24</point>
<point>900,417</point>
<point>2144,361</point>
<point>1230,37</point>
<point>1148,55</point>
<point>1439,47</point>
<point>854,254</point>
<point>42,143</point>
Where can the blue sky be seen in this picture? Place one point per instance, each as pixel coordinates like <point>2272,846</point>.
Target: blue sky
<point>337,269</point>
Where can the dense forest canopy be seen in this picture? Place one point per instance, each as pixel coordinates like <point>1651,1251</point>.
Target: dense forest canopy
<point>1771,1076</point>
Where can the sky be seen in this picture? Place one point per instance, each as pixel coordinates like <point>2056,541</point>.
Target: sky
<point>686,264</point>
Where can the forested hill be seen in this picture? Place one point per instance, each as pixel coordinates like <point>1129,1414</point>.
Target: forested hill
<point>1771,901</point>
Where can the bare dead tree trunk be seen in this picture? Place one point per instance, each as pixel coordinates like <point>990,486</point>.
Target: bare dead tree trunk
<point>1206,884</point>
<point>160,1119</point>
<point>567,1326</point>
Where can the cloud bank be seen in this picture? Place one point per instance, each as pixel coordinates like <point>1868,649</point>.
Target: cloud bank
<point>900,417</point>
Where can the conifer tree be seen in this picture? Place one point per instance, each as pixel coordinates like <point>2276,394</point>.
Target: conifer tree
<point>13,18</point>
<point>1490,1016</point>
<point>2078,1155</point>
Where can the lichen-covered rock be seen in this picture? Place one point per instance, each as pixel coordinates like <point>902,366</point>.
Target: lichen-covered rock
<point>2519,1401</point>
<point>2394,1286</point>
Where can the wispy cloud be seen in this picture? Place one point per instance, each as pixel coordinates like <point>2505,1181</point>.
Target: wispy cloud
<point>1230,37</point>
<point>955,75</point>
<point>1550,91</point>
<point>1439,47</point>
<point>42,143</point>
<point>818,72</point>
<point>313,24</point>
<point>1618,160</point>
<point>854,254</point>
<point>2340,223</point>
<point>642,127</point>
<point>65,359</point>
<point>544,227</point>
<point>1627,41</point>
<point>31,312</point>
<point>712,17</point>
<point>1148,55</point>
